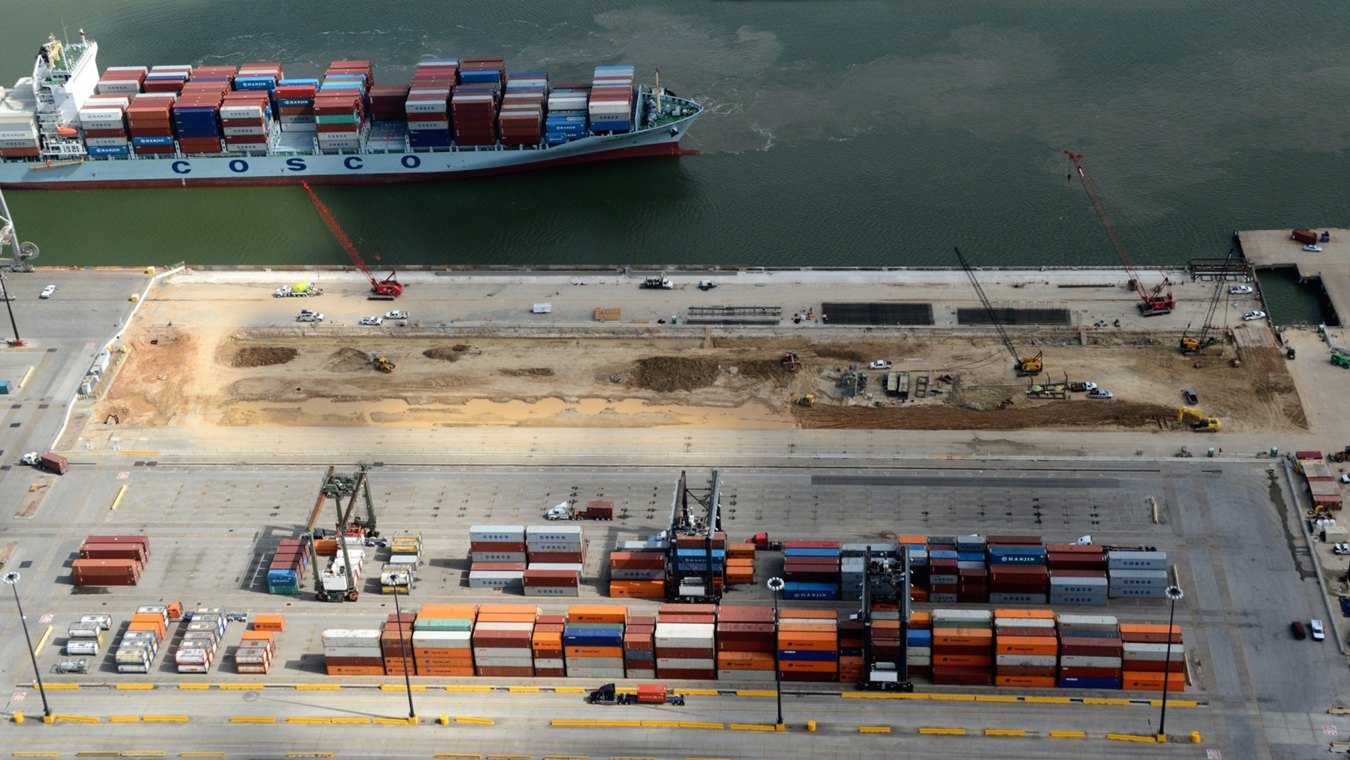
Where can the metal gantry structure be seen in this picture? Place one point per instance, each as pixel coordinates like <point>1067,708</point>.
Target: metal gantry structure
<point>337,487</point>
<point>1024,365</point>
<point>1153,301</point>
<point>1194,344</point>
<point>695,513</point>
<point>886,579</point>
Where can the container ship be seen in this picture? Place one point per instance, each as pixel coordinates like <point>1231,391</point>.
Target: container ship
<point>70,127</point>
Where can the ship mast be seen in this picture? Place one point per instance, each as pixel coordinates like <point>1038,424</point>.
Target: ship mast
<point>657,92</point>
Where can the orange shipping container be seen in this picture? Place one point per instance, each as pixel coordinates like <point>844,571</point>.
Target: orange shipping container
<point>965,638</point>
<point>594,613</point>
<point>355,670</point>
<point>740,551</point>
<point>269,623</point>
<point>920,621</point>
<point>964,660</point>
<point>809,642</point>
<point>593,652</point>
<point>807,627</point>
<point>812,614</point>
<point>444,671</point>
<point>1026,645</point>
<point>808,666</point>
<point>325,547</point>
<point>256,636</point>
<point>1135,680</point>
<point>913,540</point>
<point>744,661</point>
<point>449,611</point>
<point>637,589</point>
<point>1026,682</point>
<point>1025,614</point>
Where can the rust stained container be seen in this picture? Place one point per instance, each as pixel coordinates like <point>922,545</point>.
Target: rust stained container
<point>651,694</point>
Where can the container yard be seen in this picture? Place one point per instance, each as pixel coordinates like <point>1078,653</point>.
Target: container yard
<point>532,563</point>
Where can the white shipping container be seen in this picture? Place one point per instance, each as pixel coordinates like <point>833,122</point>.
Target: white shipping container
<point>558,533</point>
<point>345,636</point>
<point>684,663</point>
<point>1087,622</point>
<point>441,639</point>
<point>498,533</point>
<point>1086,661</point>
<point>1025,660</point>
<point>953,615</point>
<point>568,566</point>
<point>245,131</point>
<point>504,626</point>
<point>545,662</point>
<point>336,651</point>
<point>1153,652</point>
<point>242,112</point>
<point>1024,623</point>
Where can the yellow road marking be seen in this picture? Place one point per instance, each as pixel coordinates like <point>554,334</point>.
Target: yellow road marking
<point>874,729</point>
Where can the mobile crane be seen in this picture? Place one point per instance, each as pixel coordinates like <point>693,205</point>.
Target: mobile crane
<point>1025,365</point>
<point>380,290</point>
<point>1194,344</point>
<point>337,487</point>
<point>1152,302</point>
<point>701,528</point>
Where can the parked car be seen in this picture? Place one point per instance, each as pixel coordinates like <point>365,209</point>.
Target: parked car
<point>1100,394</point>
<point>306,315</point>
<point>1315,628</point>
<point>371,321</point>
<point>1312,248</point>
<point>880,364</point>
<point>1081,386</point>
<point>1345,477</point>
<point>1241,290</point>
<point>47,292</point>
<point>1252,316</point>
<point>1190,397</point>
<point>1341,549</point>
<point>1299,630</point>
<point>396,315</point>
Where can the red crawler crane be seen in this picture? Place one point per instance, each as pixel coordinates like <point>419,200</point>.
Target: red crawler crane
<point>1151,303</point>
<point>385,290</point>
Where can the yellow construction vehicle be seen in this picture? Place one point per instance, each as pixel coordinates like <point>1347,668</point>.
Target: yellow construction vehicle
<point>1023,365</point>
<point>808,400</point>
<point>382,363</point>
<point>1198,420</point>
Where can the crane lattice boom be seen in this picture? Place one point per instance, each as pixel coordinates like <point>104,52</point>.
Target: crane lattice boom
<point>389,286</point>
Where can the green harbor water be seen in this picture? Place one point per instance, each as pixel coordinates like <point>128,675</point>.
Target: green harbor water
<point>838,133</point>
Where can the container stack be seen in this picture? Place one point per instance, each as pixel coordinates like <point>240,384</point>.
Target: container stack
<point>340,117</point>
<point>919,644</point>
<point>1089,652</point>
<point>852,641</point>
<point>286,572</point>
<point>387,105</point>
<point>121,80</point>
<point>1018,572</point>
<point>610,107</point>
<point>427,108</point>
<point>18,127</point>
<point>111,560</point>
<point>637,570</point>
<point>167,79</point>
<point>497,556</point>
<point>745,643</point>
<point>85,638</point>
<point>399,574</point>
<point>487,72</point>
<point>503,640</point>
<point>196,113</point>
<point>201,641</point>
<point>442,639</point>
<point>811,570</point>
<point>521,120</point>
<point>546,642</point>
<point>1137,575</point>
<point>246,120</point>
<point>555,556</point>
<point>972,571</point>
<point>566,120</point>
<point>349,76</point>
<point>886,642</point>
<point>1026,648</point>
<point>917,548</point>
<point>397,578</point>
<point>741,564</point>
<point>260,77</point>
<point>691,568</point>
<point>353,652</point>
<point>639,646</point>
<point>396,645</point>
<point>141,642</point>
<point>103,122</point>
<point>1146,661</point>
<point>963,647</point>
<point>593,641</point>
<point>150,123</point>
<point>1077,574</point>
<point>808,645</point>
<point>686,641</point>
<point>295,104</point>
<point>255,651</point>
<point>474,103</point>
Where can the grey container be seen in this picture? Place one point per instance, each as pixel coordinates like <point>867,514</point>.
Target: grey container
<point>1137,593</point>
<point>1073,598</point>
<point>1119,560</point>
<point>1017,598</point>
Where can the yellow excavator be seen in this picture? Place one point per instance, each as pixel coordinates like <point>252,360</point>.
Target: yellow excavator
<point>1198,420</point>
<point>382,363</point>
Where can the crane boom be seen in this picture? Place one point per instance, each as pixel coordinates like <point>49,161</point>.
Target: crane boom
<point>1159,300</point>
<point>387,288</point>
<point>1026,365</point>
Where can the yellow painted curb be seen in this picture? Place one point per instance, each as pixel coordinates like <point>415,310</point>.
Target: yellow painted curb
<point>751,727</point>
<point>42,641</point>
<point>142,753</point>
<point>125,719</point>
<point>1112,702</point>
<point>201,754</point>
<point>523,689</point>
<point>952,697</point>
<point>117,501</point>
<point>311,721</point>
<point>27,374</point>
<point>698,692</point>
<point>98,753</point>
<point>165,718</point>
<point>319,687</point>
<point>994,698</point>
<point>877,695</point>
<point>700,725</point>
<point>1005,732</point>
<point>942,731</point>
<point>1132,738</point>
<point>660,724</point>
<point>1068,734</point>
<point>60,686</point>
<point>193,686</point>
<point>455,756</point>
<point>394,721</point>
<point>134,686</point>
<point>472,721</point>
<point>33,753</point>
<point>1152,702</point>
<point>874,729</point>
<point>466,689</point>
<point>755,693</point>
<point>77,718</point>
<point>252,719</point>
<point>399,687</point>
<point>349,721</point>
<point>580,723</point>
<point>569,690</point>
<point>239,686</point>
<point>1046,700</point>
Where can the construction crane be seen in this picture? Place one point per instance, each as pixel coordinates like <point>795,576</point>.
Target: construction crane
<point>341,585</point>
<point>1194,344</point>
<point>1152,302</point>
<point>885,581</point>
<point>695,530</point>
<point>1025,365</point>
<point>380,290</point>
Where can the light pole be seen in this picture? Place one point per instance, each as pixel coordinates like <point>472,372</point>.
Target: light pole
<point>1174,593</point>
<point>403,649</point>
<point>12,578</point>
<point>775,585</point>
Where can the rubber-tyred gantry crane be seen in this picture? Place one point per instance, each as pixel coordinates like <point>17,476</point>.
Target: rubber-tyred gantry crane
<point>1152,303</point>
<point>385,290</point>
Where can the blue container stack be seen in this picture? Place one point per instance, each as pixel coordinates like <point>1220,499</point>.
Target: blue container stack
<point>566,118</point>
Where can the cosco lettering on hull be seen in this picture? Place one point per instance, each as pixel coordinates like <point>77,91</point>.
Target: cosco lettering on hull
<point>295,165</point>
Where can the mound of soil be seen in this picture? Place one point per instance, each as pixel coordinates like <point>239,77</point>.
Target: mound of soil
<point>943,417</point>
<point>348,360</point>
<point>665,374</point>
<point>447,353</point>
<point>764,369</point>
<point>262,356</point>
<point>531,372</point>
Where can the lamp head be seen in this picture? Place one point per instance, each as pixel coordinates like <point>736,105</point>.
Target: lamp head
<point>11,577</point>
<point>1174,593</point>
<point>775,584</point>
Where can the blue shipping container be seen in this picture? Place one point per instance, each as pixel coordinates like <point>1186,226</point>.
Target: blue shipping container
<point>152,141</point>
<point>112,150</point>
<point>1089,683</point>
<point>801,655</point>
<point>800,552</point>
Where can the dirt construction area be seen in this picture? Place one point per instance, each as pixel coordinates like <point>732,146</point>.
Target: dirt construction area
<point>325,375</point>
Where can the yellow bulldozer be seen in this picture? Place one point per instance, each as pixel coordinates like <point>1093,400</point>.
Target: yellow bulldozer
<point>1198,420</point>
<point>382,363</point>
